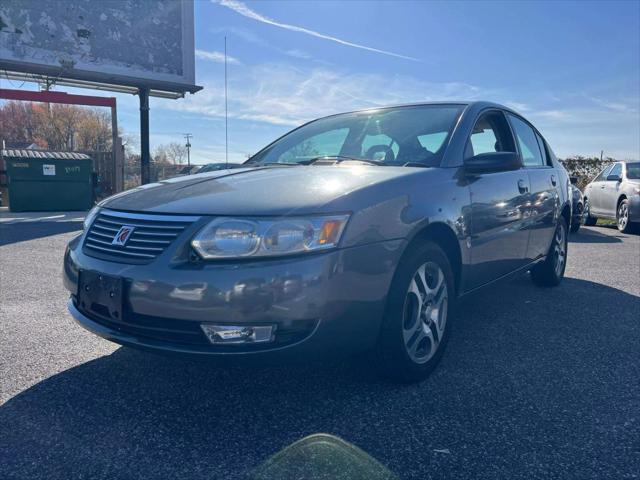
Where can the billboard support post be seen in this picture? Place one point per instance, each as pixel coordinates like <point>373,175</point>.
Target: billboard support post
<point>118,157</point>
<point>145,157</point>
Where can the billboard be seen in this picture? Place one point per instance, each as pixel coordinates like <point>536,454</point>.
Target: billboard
<point>146,43</point>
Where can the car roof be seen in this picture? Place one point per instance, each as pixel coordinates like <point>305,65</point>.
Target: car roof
<point>475,105</point>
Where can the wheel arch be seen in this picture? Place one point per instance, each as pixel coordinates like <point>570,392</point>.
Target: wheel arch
<point>622,197</point>
<point>445,237</point>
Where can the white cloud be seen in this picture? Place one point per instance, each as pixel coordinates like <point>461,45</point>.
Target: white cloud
<point>518,107</point>
<point>214,56</point>
<point>245,11</point>
<point>296,53</point>
<point>254,39</point>
<point>281,94</point>
<point>616,106</point>
<point>273,97</point>
<point>585,130</point>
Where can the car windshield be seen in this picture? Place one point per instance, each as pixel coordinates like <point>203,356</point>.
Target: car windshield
<point>413,135</point>
<point>633,171</point>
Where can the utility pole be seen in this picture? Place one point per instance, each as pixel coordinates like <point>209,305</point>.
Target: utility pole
<point>187,137</point>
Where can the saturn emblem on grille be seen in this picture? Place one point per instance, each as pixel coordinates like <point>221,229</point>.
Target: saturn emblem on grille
<point>123,235</point>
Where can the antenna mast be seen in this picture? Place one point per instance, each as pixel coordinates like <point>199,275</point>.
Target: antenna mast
<point>226,126</point>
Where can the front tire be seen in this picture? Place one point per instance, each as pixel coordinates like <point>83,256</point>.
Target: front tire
<point>588,219</point>
<point>550,272</point>
<point>415,327</point>
<point>575,226</point>
<point>622,217</point>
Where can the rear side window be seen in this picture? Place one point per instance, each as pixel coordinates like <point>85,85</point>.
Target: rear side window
<point>633,171</point>
<point>528,143</point>
<point>543,150</point>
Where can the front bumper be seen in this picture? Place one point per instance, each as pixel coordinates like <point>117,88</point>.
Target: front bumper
<point>327,304</point>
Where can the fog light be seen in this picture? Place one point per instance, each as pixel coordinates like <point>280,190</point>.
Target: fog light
<point>224,334</point>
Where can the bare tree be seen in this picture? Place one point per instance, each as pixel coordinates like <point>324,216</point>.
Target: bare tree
<point>171,153</point>
<point>56,126</point>
<point>176,152</point>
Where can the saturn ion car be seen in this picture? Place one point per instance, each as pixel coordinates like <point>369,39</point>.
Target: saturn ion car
<point>354,232</point>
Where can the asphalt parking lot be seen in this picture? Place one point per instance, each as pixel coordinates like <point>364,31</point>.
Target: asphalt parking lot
<point>536,383</point>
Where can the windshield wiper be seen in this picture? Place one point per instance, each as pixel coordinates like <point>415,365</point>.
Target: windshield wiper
<point>339,159</point>
<point>415,164</point>
<point>270,164</point>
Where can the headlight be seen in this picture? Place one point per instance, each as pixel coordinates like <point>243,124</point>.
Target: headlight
<point>88,220</point>
<point>242,237</point>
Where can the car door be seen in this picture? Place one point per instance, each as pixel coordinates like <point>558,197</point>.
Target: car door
<point>499,205</point>
<point>594,191</point>
<point>543,178</point>
<point>610,191</point>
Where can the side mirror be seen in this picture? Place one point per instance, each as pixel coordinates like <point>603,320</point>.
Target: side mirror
<point>493,162</point>
<point>573,180</point>
<point>614,178</point>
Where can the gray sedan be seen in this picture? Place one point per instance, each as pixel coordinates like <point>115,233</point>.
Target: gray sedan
<point>615,194</point>
<point>355,232</point>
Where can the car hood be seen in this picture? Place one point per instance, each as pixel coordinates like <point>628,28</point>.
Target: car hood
<point>255,191</point>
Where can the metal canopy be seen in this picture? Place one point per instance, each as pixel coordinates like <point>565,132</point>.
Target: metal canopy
<point>44,154</point>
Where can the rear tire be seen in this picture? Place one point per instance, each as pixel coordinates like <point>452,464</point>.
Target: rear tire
<point>589,220</point>
<point>417,318</point>
<point>550,272</point>
<point>577,218</point>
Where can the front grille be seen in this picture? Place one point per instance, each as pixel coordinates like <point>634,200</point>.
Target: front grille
<point>151,235</point>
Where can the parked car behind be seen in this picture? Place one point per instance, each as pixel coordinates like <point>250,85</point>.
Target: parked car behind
<point>577,206</point>
<point>353,232</point>
<point>615,194</point>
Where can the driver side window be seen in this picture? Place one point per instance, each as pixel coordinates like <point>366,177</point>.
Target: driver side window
<point>616,170</point>
<point>491,133</point>
<point>603,174</point>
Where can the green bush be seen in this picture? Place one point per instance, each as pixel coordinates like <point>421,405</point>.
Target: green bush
<point>585,168</point>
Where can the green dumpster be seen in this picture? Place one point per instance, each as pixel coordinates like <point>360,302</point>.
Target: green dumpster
<point>48,181</point>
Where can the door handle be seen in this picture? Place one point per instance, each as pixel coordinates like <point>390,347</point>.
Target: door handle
<point>602,186</point>
<point>553,180</point>
<point>522,186</point>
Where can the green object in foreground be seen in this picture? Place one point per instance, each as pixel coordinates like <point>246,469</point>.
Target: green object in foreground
<point>321,457</point>
<point>53,181</point>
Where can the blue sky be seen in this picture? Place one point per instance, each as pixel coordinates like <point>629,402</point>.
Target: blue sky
<point>572,68</point>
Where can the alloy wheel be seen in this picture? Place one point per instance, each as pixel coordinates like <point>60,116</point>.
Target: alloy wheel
<point>560,249</point>
<point>425,312</point>
<point>623,216</point>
